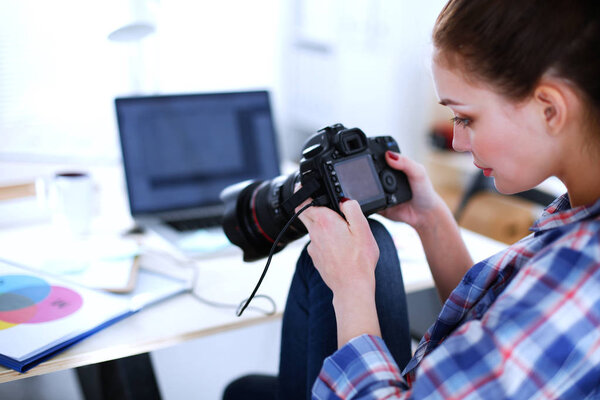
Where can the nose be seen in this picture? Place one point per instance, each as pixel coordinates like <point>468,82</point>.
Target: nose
<point>461,141</point>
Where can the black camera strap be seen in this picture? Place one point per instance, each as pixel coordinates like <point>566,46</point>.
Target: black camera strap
<point>244,304</point>
<point>307,190</point>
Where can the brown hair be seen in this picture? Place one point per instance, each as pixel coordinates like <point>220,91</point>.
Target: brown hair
<point>511,44</point>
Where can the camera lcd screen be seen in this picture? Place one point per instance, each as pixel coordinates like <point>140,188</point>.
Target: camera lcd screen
<point>359,179</point>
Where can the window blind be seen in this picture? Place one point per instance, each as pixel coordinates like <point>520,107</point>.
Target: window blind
<point>58,77</point>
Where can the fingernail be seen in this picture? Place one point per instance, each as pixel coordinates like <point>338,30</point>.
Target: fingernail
<point>344,199</point>
<point>392,155</point>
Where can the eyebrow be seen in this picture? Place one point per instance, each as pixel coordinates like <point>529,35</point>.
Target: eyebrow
<point>446,102</point>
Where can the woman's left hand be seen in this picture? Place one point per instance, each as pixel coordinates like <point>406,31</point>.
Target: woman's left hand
<point>343,251</point>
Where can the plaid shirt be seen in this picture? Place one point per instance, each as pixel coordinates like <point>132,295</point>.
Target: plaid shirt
<point>525,323</point>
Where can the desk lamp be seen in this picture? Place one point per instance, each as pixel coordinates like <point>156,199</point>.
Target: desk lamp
<point>132,20</point>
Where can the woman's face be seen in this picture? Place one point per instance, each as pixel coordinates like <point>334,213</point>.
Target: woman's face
<point>507,139</point>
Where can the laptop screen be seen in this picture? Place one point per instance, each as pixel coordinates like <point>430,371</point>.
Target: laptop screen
<point>180,151</point>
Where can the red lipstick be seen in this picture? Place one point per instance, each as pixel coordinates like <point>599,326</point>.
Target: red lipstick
<point>486,171</point>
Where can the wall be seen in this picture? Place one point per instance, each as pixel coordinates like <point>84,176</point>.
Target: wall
<point>201,369</point>
<point>59,73</point>
<point>360,62</point>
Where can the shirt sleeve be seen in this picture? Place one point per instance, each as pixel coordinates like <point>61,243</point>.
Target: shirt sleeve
<point>361,369</point>
<point>540,338</point>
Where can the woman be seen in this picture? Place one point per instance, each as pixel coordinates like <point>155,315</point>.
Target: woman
<point>521,80</point>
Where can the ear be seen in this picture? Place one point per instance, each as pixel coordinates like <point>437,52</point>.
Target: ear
<point>552,101</point>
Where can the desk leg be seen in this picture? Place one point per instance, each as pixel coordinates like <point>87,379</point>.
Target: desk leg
<point>129,378</point>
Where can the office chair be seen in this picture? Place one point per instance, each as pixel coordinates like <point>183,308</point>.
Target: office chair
<point>480,183</point>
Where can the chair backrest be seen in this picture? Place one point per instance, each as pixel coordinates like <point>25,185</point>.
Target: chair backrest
<point>506,218</point>
<point>480,183</point>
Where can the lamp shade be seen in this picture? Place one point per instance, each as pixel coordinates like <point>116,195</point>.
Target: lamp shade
<point>132,20</point>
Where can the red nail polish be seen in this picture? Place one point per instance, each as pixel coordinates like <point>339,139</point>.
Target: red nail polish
<point>393,155</point>
<point>344,199</point>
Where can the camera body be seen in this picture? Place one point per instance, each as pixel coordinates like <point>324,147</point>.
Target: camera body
<point>349,165</point>
<point>336,163</point>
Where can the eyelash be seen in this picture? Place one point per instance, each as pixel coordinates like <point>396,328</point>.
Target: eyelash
<point>457,121</point>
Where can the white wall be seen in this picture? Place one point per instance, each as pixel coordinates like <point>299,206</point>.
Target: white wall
<point>201,369</point>
<point>360,62</point>
<point>59,73</point>
<point>216,45</point>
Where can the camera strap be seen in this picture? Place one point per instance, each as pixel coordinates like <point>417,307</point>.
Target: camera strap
<point>307,190</point>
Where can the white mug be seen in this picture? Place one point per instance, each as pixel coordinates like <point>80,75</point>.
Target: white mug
<point>73,202</point>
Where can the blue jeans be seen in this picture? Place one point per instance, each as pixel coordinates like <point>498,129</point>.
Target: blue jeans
<point>309,332</point>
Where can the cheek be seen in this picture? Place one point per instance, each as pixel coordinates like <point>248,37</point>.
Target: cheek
<point>515,156</point>
<point>489,142</point>
<point>498,145</point>
<point>504,129</point>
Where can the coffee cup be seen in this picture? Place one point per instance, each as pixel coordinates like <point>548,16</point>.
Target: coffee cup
<point>73,200</point>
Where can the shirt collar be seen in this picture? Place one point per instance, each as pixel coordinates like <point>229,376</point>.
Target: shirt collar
<point>559,213</point>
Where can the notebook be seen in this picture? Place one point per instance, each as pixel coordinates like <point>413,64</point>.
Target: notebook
<point>180,151</point>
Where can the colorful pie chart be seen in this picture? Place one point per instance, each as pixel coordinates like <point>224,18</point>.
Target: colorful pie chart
<point>26,299</point>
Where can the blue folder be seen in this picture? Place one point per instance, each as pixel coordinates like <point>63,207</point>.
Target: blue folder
<point>25,344</point>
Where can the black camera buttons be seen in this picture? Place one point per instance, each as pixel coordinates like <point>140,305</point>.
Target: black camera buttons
<point>388,181</point>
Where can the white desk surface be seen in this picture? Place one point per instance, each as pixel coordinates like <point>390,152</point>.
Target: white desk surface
<point>225,279</point>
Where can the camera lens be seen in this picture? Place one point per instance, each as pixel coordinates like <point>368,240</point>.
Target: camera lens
<point>253,215</point>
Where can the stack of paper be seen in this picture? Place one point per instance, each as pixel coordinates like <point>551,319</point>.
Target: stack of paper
<point>41,315</point>
<point>101,261</point>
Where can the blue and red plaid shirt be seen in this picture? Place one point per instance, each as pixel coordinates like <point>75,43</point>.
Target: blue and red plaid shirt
<point>524,323</point>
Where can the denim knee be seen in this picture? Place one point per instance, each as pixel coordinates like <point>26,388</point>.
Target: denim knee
<point>388,255</point>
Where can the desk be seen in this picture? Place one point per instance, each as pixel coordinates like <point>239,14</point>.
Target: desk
<point>223,279</point>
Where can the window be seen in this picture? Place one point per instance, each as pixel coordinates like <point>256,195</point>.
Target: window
<point>58,76</point>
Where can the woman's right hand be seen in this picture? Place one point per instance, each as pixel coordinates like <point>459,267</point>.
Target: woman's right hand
<point>425,201</point>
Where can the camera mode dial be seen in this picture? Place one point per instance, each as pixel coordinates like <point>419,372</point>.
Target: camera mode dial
<point>312,151</point>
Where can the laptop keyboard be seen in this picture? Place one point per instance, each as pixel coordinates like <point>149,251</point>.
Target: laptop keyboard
<point>195,223</point>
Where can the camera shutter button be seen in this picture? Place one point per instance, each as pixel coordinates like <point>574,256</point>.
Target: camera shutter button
<point>388,181</point>
<point>312,151</point>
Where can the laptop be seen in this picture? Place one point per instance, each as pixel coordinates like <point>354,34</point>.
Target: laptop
<point>179,151</point>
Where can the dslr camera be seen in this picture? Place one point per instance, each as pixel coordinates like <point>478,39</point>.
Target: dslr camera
<point>336,162</point>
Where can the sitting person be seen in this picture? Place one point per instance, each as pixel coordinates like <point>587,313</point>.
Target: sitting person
<point>521,80</point>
